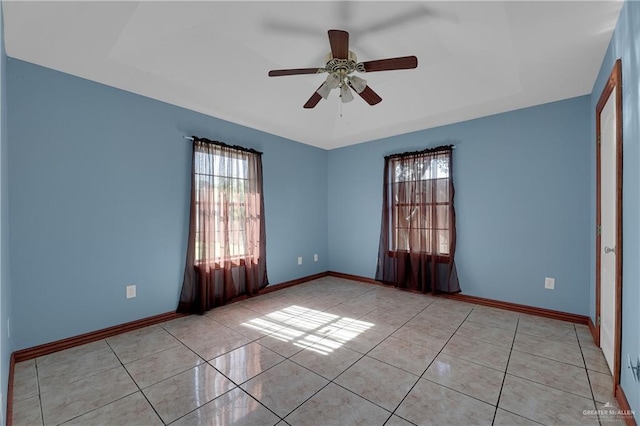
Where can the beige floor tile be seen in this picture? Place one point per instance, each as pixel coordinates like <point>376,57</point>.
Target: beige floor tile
<point>233,408</point>
<point>25,380</point>
<point>551,373</point>
<point>190,324</point>
<point>141,343</point>
<point>602,386</point>
<point>550,331</point>
<point>449,308</point>
<point>232,314</point>
<point>585,338</point>
<point>486,333</point>
<point>594,359</point>
<point>583,331</point>
<point>133,410</point>
<point>284,342</point>
<point>63,357</point>
<point>452,306</point>
<point>405,355</point>
<point>505,418</point>
<point>429,403</point>
<point>284,387</point>
<point>337,406</point>
<point>377,326</point>
<point>183,393</point>
<point>557,351</point>
<point>246,362</point>
<point>439,321</point>
<point>397,421</point>
<point>325,360</point>
<point>429,337</point>
<point>214,342</point>
<point>479,352</point>
<point>549,323</point>
<point>257,326</point>
<point>162,365</point>
<point>474,380</point>
<point>410,304</point>
<point>378,382</point>
<point>60,374</point>
<point>494,318</point>
<point>350,310</point>
<point>27,412</point>
<point>544,404</point>
<point>357,340</point>
<point>62,404</point>
<point>386,316</point>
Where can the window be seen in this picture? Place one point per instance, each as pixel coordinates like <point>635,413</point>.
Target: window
<point>227,240</point>
<point>418,232</point>
<point>221,191</point>
<point>420,204</point>
<point>228,204</point>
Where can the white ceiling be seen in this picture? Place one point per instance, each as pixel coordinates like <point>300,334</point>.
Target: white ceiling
<point>474,58</point>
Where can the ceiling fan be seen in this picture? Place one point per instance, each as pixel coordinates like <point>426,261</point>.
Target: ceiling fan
<point>341,63</point>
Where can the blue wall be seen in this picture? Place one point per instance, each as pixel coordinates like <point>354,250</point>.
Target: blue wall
<point>625,44</point>
<point>99,196</point>
<point>522,195</point>
<point>6,344</point>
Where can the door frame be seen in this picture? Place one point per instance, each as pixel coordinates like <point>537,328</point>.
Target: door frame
<point>614,82</point>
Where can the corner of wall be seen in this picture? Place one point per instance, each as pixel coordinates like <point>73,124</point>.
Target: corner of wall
<point>6,346</point>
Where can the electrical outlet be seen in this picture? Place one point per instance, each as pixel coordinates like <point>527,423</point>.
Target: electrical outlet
<point>550,283</point>
<point>299,260</point>
<point>315,257</point>
<point>131,291</point>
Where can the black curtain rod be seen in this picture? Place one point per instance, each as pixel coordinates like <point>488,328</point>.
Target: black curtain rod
<point>424,151</point>
<point>238,147</point>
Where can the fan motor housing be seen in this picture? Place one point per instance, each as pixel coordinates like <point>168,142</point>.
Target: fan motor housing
<point>343,66</point>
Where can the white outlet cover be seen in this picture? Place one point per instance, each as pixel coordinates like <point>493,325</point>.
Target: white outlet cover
<point>315,257</point>
<point>131,291</point>
<point>550,283</point>
<point>300,260</point>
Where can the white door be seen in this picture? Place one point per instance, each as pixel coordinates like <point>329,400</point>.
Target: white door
<point>608,207</point>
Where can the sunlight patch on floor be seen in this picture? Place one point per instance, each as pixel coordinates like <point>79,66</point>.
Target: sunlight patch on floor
<point>314,330</point>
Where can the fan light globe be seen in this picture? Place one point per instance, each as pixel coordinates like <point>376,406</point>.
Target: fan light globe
<point>345,94</point>
<point>324,90</point>
<point>333,80</point>
<point>358,84</point>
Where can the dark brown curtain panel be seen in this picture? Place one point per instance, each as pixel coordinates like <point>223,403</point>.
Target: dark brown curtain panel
<point>226,250</point>
<point>418,236</point>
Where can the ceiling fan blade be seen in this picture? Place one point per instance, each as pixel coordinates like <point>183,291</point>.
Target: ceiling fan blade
<point>401,63</point>
<point>295,71</point>
<point>339,41</point>
<point>314,99</point>
<point>370,97</point>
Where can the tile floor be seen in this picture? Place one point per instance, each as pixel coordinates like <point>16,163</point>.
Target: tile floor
<point>327,352</point>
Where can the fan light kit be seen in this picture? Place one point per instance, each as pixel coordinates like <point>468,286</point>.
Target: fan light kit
<point>341,63</point>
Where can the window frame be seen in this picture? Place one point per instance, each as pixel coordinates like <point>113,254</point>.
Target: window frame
<point>395,206</point>
<point>237,259</point>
